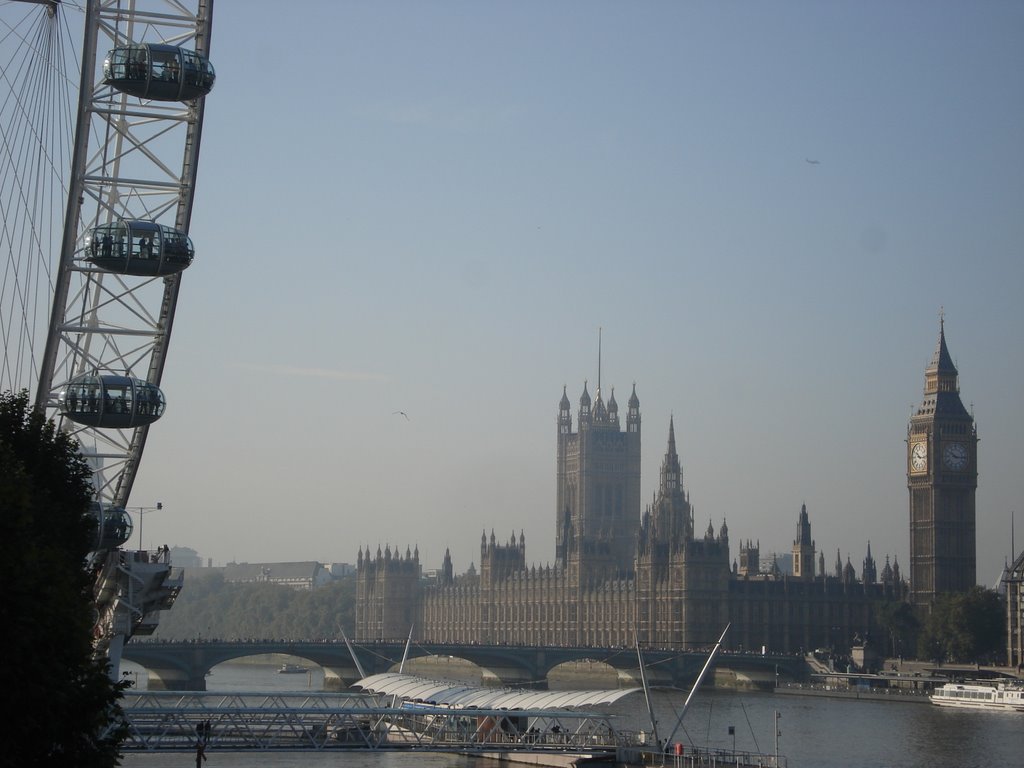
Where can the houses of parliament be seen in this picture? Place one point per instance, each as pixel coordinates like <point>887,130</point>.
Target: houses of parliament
<point>621,574</point>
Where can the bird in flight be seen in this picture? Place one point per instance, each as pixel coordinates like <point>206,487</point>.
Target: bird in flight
<point>400,413</point>
<point>812,162</point>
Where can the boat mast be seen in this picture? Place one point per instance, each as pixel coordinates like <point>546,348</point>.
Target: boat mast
<point>700,678</point>
<point>647,692</point>
<point>405,653</point>
<point>777,734</point>
<point>352,652</point>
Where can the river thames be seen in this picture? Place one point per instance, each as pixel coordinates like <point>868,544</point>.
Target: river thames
<point>815,732</point>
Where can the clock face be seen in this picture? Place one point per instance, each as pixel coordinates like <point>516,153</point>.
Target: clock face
<point>954,456</point>
<point>919,457</point>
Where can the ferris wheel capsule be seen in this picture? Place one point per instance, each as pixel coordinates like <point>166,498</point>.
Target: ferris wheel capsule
<point>159,72</point>
<point>109,400</point>
<point>113,526</point>
<point>141,248</point>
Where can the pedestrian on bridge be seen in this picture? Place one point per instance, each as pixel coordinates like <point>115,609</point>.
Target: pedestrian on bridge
<point>203,738</point>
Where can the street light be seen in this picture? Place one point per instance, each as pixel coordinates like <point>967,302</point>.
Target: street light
<point>142,511</point>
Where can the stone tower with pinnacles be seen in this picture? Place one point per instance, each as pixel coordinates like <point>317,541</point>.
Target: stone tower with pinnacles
<point>942,477</point>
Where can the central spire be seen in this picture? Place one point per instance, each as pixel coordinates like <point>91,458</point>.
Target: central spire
<point>671,473</point>
<point>942,362</point>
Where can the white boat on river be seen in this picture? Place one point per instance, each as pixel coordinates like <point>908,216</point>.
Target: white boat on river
<point>999,696</point>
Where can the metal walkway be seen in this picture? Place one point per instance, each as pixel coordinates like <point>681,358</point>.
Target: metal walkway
<point>291,722</point>
<point>168,721</point>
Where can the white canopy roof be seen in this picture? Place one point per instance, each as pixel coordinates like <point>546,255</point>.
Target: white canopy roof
<point>461,696</point>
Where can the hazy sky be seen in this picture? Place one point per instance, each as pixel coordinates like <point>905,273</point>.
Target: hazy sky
<point>432,207</point>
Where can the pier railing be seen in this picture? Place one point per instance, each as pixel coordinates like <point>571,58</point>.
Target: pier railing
<point>322,721</point>
<point>288,722</point>
<point>689,756</point>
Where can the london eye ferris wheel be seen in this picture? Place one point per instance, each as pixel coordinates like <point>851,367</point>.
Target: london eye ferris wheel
<point>101,114</point>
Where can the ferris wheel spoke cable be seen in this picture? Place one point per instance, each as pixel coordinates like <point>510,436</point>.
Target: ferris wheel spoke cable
<point>36,130</point>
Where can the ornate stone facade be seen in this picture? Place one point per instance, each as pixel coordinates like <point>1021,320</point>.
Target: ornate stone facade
<point>671,588</point>
<point>597,487</point>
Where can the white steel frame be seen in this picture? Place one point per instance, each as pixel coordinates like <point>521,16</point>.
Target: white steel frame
<point>133,159</point>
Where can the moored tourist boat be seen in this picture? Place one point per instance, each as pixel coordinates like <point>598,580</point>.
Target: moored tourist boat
<point>999,696</point>
<point>292,669</point>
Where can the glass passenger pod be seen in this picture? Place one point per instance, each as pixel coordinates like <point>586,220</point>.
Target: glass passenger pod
<point>159,72</point>
<point>142,248</point>
<point>108,400</point>
<point>113,526</point>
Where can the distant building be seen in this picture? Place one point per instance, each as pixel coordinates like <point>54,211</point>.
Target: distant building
<point>307,575</point>
<point>1013,583</point>
<point>777,564</point>
<point>619,575</point>
<point>185,557</point>
<point>942,476</point>
<point>750,559</point>
<point>341,570</point>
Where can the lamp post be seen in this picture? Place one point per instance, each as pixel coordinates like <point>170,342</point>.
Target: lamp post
<point>142,511</point>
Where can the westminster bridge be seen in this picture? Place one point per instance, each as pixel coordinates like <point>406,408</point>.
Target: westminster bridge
<point>183,665</point>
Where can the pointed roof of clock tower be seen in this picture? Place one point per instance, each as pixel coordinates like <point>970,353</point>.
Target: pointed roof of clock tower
<point>942,362</point>
<point>941,385</point>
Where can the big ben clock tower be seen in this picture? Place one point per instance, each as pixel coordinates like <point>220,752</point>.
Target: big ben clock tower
<point>942,476</point>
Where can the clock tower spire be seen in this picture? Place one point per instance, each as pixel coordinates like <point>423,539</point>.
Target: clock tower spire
<point>942,477</point>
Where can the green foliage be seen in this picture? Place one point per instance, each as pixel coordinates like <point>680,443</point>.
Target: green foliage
<point>65,705</point>
<point>964,627</point>
<point>210,608</point>
<point>899,627</point>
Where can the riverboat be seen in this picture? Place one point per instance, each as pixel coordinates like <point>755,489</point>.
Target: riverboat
<point>999,697</point>
<point>292,669</point>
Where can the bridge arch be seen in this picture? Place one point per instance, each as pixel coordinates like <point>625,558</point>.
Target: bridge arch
<point>584,673</point>
<point>183,665</point>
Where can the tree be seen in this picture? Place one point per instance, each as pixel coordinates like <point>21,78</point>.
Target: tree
<point>208,607</point>
<point>65,706</point>
<point>963,627</point>
<point>899,627</point>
